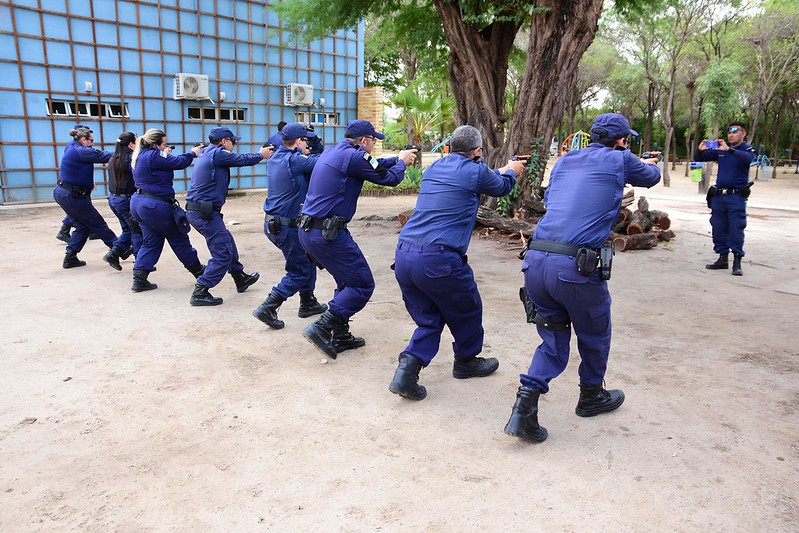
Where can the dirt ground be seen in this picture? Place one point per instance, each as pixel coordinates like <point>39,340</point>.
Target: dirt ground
<point>138,412</point>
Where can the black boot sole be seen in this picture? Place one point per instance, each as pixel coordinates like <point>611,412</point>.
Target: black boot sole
<point>466,374</point>
<point>311,312</point>
<point>360,343</point>
<point>113,264</point>
<point>74,265</point>
<point>274,324</point>
<point>717,267</point>
<point>143,288</point>
<point>315,338</point>
<point>590,411</point>
<point>205,303</point>
<point>537,437</point>
<point>418,395</point>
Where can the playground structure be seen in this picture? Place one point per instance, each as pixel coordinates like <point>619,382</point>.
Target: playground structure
<point>576,141</point>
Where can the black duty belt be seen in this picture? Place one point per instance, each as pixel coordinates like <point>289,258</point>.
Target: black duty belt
<point>196,206</point>
<point>74,188</point>
<point>555,247</point>
<point>124,195</point>
<point>167,199</point>
<point>316,223</point>
<point>284,221</point>
<point>720,190</point>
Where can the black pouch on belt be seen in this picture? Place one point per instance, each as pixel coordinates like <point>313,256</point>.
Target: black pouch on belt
<point>206,209</point>
<point>587,261</point>
<point>711,192</point>
<point>273,225</point>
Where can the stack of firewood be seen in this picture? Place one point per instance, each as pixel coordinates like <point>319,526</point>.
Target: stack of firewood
<point>640,229</point>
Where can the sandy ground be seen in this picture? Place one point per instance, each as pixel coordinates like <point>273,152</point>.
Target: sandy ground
<point>138,412</point>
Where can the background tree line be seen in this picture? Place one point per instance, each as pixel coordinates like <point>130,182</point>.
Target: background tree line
<point>526,72</point>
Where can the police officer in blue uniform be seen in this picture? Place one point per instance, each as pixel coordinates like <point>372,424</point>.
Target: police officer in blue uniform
<point>289,170</point>
<point>436,281</point>
<point>316,145</point>
<point>153,207</point>
<point>727,199</point>
<point>210,179</point>
<point>566,268</point>
<point>330,204</point>
<point>277,139</point>
<point>73,193</point>
<point>120,189</point>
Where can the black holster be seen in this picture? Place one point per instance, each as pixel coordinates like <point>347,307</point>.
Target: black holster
<point>606,261</point>
<point>587,261</point>
<point>331,225</point>
<point>273,225</point>
<point>711,192</point>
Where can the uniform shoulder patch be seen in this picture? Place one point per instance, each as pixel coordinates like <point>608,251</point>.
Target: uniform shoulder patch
<point>371,160</point>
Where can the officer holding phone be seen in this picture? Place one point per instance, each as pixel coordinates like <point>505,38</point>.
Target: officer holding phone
<point>727,198</point>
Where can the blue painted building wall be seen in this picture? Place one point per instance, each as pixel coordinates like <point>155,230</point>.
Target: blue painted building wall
<point>129,51</point>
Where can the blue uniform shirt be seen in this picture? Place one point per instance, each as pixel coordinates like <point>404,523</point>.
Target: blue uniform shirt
<point>733,164</point>
<point>584,194</point>
<point>338,177</point>
<point>448,201</point>
<point>210,176</point>
<point>77,164</point>
<point>154,172</point>
<point>288,172</point>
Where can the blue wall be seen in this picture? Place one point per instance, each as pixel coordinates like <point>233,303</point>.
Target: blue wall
<point>129,52</point>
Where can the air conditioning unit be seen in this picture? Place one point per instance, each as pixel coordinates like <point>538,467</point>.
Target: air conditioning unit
<point>298,94</point>
<point>190,86</point>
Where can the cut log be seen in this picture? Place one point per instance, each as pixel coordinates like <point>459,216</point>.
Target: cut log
<point>660,219</point>
<point>628,198</point>
<point>640,241</point>
<point>491,219</point>
<point>639,223</point>
<point>663,234</point>
<point>404,216</point>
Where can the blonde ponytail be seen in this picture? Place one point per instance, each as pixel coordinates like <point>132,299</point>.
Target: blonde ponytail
<point>151,137</point>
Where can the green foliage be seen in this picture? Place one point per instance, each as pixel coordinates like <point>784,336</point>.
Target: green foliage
<point>421,112</point>
<point>411,182</point>
<point>396,136</point>
<point>720,88</point>
<point>533,175</point>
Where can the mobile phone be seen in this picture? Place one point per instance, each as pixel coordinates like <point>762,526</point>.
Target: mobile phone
<point>711,144</point>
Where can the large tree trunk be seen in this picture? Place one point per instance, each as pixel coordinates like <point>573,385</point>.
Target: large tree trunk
<point>478,68</point>
<point>558,40</point>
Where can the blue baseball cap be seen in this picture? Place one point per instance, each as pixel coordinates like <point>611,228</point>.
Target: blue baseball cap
<point>614,126</point>
<point>82,126</point>
<point>295,130</point>
<point>361,128</point>
<point>217,134</point>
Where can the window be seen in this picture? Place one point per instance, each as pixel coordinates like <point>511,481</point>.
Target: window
<point>58,108</point>
<point>327,119</point>
<point>87,109</point>
<point>195,113</point>
<point>209,113</point>
<point>117,110</point>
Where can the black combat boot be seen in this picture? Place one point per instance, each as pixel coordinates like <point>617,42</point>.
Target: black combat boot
<point>71,260</point>
<point>201,296</point>
<point>140,283</point>
<point>63,233</point>
<point>127,253</point>
<point>406,379</point>
<point>243,280</point>
<point>196,269</point>
<point>310,306</point>
<point>594,400</point>
<point>267,311</point>
<point>722,263</point>
<point>736,265</point>
<point>474,367</point>
<point>342,338</point>
<point>320,334</point>
<point>523,421</point>
<point>112,258</point>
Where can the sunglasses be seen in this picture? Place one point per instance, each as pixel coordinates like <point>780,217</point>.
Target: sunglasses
<point>733,129</point>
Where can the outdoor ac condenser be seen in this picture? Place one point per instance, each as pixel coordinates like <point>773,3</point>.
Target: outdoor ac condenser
<point>190,86</point>
<point>298,94</point>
